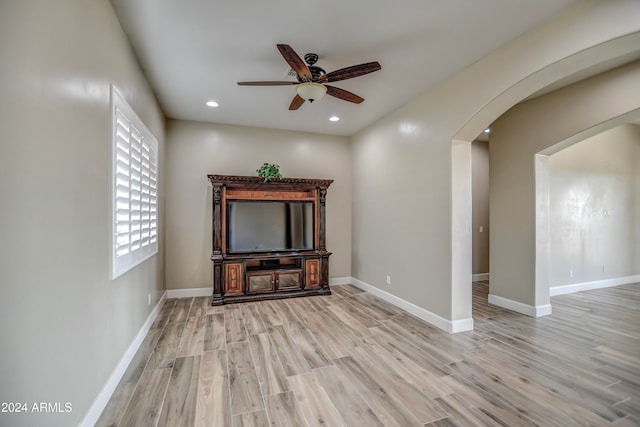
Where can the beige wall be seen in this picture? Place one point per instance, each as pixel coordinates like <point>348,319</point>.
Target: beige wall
<point>196,149</point>
<point>64,325</point>
<point>408,222</point>
<point>593,219</point>
<point>480,208</point>
<point>544,124</point>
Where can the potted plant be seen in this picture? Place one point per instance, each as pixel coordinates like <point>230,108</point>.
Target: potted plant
<point>269,172</point>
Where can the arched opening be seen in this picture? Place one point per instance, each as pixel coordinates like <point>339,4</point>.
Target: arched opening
<point>580,244</point>
<point>531,298</point>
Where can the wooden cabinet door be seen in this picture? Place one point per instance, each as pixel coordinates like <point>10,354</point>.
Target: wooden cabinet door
<point>233,279</point>
<point>289,280</point>
<point>260,282</point>
<point>312,274</point>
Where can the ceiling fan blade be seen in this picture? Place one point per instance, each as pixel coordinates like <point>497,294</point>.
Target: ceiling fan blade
<point>294,60</point>
<point>296,102</point>
<point>350,72</point>
<point>268,83</point>
<point>343,94</point>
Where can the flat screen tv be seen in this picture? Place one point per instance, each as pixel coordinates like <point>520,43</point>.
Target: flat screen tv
<point>269,226</point>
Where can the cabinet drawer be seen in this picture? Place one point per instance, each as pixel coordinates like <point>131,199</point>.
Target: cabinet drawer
<point>289,280</point>
<point>260,282</point>
<point>233,279</point>
<point>312,273</point>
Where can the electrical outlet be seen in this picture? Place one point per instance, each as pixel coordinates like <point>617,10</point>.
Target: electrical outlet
<point>149,299</point>
<point>388,280</point>
<point>604,270</point>
<point>570,273</point>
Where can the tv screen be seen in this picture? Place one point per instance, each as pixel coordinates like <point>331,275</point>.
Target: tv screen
<point>267,226</point>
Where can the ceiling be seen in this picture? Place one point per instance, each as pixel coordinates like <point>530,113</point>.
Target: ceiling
<point>193,51</point>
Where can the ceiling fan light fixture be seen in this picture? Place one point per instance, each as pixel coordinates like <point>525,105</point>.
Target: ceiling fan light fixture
<point>310,91</point>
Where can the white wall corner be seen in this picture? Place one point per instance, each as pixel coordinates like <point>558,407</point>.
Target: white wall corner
<point>461,325</point>
<point>461,230</point>
<point>450,326</point>
<point>542,310</point>
<point>100,402</point>
<point>518,307</point>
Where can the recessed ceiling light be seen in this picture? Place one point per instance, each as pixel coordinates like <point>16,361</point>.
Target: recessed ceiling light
<point>487,130</point>
<point>212,104</point>
<point>334,118</point>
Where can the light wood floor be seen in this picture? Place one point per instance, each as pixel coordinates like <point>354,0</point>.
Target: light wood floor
<point>350,359</point>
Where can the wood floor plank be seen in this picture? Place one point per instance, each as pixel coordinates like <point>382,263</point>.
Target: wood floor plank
<point>293,361</point>
<point>269,369</point>
<point>243,380</point>
<point>268,314</point>
<point>215,332</point>
<point>315,406</point>
<point>421,406</point>
<point>180,311</point>
<point>334,346</point>
<point>212,405</point>
<point>192,341</point>
<point>538,407</point>
<point>350,405</point>
<point>252,320</point>
<point>346,318</point>
<point>389,340</point>
<point>374,303</point>
<point>357,311</point>
<point>251,419</point>
<point>421,338</point>
<point>301,307</point>
<point>462,413</point>
<point>234,325</point>
<point>199,306</point>
<point>163,315</point>
<point>478,397</point>
<point>348,336</point>
<point>309,347</point>
<point>390,411</point>
<point>146,402</point>
<point>167,346</point>
<point>542,380</point>
<point>283,410</point>
<point>285,311</point>
<point>179,407</point>
<point>428,384</point>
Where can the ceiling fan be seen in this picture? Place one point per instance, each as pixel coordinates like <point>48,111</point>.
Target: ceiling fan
<point>311,85</point>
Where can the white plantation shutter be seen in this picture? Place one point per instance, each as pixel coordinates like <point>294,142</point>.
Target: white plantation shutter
<point>135,188</point>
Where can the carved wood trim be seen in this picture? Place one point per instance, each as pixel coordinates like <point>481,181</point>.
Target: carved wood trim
<point>230,180</point>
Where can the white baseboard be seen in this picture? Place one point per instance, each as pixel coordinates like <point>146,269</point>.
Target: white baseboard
<point>451,326</point>
<point>596,284</point>
<point>480,276</point>
<point>518,307</point>
<point>188,293</point>
<point>100,402</point>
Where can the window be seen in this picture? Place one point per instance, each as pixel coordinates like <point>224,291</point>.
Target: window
<point>134,188</point>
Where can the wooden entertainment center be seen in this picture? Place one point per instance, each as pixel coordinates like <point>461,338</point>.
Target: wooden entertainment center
<point>276,271</point>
